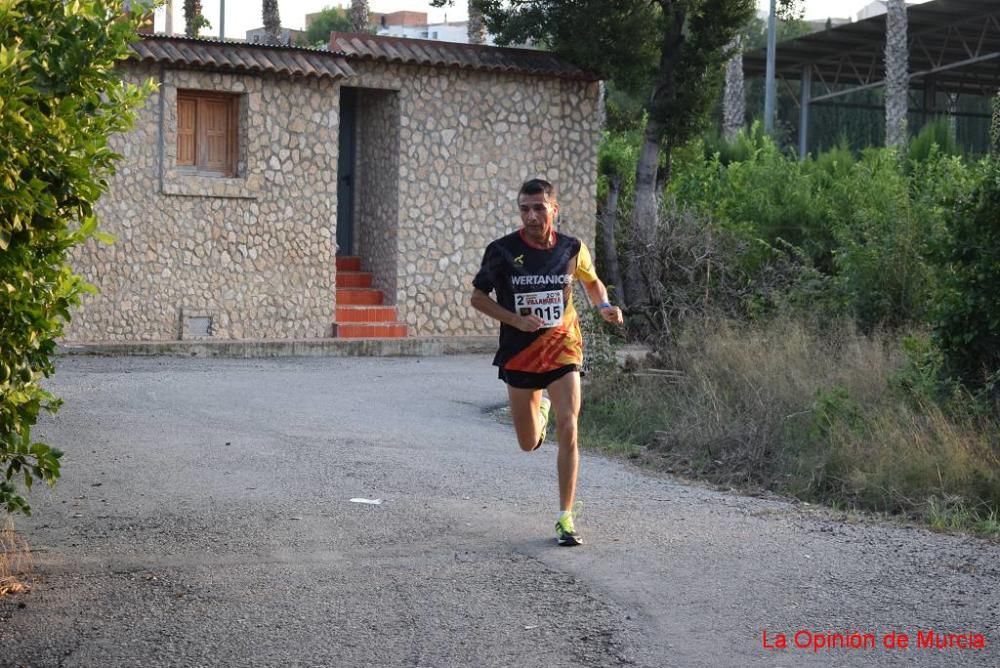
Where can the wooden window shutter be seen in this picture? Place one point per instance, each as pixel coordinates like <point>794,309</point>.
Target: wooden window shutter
<point>214,135</point>
<point>208,131</point>
<point>186,113</point>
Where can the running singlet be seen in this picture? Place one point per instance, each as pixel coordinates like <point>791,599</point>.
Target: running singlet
<point>539,281</point>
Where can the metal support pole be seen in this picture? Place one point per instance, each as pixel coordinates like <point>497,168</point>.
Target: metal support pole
<point>222,19</point>
<point>769,87</point>
<point>805,98</point>
<point>930,100</point>
<point>169,25</point>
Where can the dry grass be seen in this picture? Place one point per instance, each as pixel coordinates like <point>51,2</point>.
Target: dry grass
<point>15,561</point>
<point>808,412</point>
<point>746,388</point>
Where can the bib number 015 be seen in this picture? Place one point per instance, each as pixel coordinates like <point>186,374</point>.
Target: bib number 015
<point>547,305</point>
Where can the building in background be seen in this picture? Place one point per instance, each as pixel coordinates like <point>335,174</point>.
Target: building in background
<point>287,36</point>
<point>827,23</point>
<point>876,8</point>
<point>276,192</point>
<point>414,25</point>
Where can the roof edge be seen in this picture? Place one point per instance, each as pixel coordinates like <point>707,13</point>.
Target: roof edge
<point>217,54</point>
<point>456,54</point>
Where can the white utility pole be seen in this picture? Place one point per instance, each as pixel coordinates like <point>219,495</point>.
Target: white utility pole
<point>769,87</point>
<point>169,25</point>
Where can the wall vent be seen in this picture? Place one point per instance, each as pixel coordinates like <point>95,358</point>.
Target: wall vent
<point>196,326</point>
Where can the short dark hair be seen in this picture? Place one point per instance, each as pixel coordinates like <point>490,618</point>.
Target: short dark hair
<point>536,186</point>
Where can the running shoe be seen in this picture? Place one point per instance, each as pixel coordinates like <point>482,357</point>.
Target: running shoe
<point>566,534</point>
<point>543,414</point>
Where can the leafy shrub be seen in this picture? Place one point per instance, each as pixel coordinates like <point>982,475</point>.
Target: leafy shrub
<point>60,99</point>
<point>967,314</point>
<point>935,138</point>
<point>868,223</point>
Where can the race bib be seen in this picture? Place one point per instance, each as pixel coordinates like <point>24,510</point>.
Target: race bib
<point>547,305</point>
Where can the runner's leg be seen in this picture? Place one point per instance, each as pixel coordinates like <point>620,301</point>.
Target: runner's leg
<point>524,412</point>
<point>565,396</point>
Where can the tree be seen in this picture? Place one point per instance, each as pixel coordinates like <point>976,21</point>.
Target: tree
<point>477,26</point>
<point>733,98</point>
<point>359,15</point>
<point>61,99</point>
<point>193,19</point>
<point>272,21</point>
<point>967,308</point>
<point>672,51</point>
<point>330,19</point>
<point>897,78</point>
<point>995,126</point>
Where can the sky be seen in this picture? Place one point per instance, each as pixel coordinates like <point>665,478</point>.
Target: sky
<point>243,15</point>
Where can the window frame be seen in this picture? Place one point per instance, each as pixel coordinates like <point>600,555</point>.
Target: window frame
<point>200,165</point>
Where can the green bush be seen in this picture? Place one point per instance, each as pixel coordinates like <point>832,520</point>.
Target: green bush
<point>865,225</point>
<point>967,311</point>
<point>935,138</point>
<point>60,99</point>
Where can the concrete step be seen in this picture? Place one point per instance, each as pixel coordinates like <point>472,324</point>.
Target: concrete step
<point>359,296</point>
<point>347,314</point>
<point>348,263</point>
<point>370,330</point>
<point>354,279</point>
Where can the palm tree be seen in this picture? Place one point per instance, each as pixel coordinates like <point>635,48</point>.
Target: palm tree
<point>359,15</point>
<point>477,26</point>
<point>897,77</point>
<point>193,20</point>
<point>733,100</point>
<point>272,22</point>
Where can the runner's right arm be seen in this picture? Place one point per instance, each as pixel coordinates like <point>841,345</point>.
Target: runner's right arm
<point>485,304</point>
<point>491,273</point>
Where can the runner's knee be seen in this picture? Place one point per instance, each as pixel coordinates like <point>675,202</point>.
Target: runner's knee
<point>566,423</point>
<point>527,445</point>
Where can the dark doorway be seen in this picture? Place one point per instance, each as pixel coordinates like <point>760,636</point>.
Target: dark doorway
<point>345,170</point>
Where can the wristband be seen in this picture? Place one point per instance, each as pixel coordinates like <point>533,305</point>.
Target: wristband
<point>604,305</point>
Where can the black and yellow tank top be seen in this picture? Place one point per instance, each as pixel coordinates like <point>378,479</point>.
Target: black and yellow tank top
<point>528,279</point>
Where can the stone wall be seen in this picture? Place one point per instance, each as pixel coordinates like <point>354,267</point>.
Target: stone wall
<point>468,139</point>
<point>377,181</point>
<point>253,253</point>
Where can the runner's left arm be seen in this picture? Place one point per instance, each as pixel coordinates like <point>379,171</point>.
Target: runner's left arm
<point>595,288</point>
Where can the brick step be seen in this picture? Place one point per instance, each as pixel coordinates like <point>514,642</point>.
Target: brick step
<point>359,297</point>
<point>354,279</point>
<point>347,314</point>
<point>348,263</point>
<point>381,330</point>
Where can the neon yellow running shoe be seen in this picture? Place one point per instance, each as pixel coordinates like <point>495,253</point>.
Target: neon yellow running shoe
<point>543,414</point>
<point>566,534</point>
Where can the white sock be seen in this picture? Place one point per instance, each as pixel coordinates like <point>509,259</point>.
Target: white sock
<point>565,513</point>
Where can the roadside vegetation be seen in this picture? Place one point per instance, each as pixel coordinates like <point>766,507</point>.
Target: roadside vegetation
<point>15,561</point>
<point>827,329</point>
<point>61,98</point>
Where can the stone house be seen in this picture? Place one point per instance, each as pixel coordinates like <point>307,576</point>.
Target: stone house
<point>272,192</point>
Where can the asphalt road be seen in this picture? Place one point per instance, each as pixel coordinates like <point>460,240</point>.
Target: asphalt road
<point>204,519</point>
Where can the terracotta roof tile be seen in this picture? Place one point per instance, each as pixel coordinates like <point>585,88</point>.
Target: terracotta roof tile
<point>241,56</point>
<point>362,46</point>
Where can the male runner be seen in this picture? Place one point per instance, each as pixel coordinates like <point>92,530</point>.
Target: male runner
<point>541,347</point>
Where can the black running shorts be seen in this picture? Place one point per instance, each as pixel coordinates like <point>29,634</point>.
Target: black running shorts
<point>534,381</point>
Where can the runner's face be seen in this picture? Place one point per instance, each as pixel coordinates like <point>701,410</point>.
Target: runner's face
<point>538,215</point>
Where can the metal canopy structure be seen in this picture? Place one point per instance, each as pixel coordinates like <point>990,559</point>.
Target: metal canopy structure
<point>954,47</point>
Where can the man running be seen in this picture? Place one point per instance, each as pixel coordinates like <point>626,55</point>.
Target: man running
<point>541,347</point>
